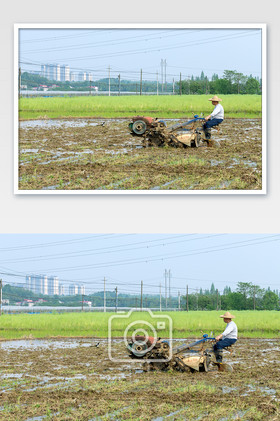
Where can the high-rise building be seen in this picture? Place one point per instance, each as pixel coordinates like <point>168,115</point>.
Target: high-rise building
<point>43,70</point>
<point>53,285</point>
<point>57,72</point>
<point>30,283</point>
<point>82,290</point>
<point>37,284</point>
<point>72,76</point>
<point>65,73</point>
<point>61,290</point>
<point>73,290</point>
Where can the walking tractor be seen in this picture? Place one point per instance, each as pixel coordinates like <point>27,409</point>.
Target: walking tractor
<point>156,133</point>
<point>158,355</point>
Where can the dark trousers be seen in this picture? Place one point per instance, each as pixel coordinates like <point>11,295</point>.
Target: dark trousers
<point>223,344</point>
<point>211,123</point>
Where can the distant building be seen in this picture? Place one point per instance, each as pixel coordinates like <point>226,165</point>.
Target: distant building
<point>28,303</point>
<point>5,301</point>
<point>37,283</point>
<point>65,73</point>
<point>61,290</point>
<point>53,285</point>
<point>73,290</point>
<point>62,73</point>
<point>30,282</point>
<point>81,290</point>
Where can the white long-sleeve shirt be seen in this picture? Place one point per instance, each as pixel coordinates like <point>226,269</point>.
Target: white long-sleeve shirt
<point>230,331</point>
<point>218,112</point>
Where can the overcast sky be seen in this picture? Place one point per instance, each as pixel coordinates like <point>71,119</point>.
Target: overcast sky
<point>124,260</point>
<point>126,51</point>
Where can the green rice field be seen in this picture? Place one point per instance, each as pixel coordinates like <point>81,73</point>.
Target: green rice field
<point>252,324</point>
<point>236,106</point>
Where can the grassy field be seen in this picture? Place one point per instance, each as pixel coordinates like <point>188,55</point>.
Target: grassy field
<point>236,106</point>
<point>262,324</point>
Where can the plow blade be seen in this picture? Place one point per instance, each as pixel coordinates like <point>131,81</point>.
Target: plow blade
<point>188,139</point>
<point>223,367</point>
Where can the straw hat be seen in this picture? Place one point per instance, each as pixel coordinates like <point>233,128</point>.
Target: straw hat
<point>215,98</point>
<point>227,315</point>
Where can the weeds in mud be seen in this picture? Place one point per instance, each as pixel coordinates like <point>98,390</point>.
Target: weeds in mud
<point>139,396</point>
<point>114,161</point>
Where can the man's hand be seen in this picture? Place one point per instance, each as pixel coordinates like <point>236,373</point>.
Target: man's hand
<point>208,117</point>
<point>219,337</point>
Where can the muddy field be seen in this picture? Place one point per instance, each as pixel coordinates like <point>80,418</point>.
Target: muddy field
<point>75,380</point>
<point>86,154</point>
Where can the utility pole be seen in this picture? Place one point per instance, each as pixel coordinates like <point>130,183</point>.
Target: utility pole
<point>116,300</point>
<point>254,298</point>
<point>157,83</point>
<point>179,300</point>
<point>90,87</point>
<point>159,297</point>
<point>169,277</point>
<point>173,86</point>
<point>119,84</point>
<point>187,298</point>
<point>165,75</point>
<point>82,302</point>
<point>161,68</point>
<point>141,82</point>
<point>109,81</point>
<point>180,83</point>
<point>104,295</point>
<point>165,279</point>
<point>0,297</point>
<point>19,82</point>
<point>141,301</point>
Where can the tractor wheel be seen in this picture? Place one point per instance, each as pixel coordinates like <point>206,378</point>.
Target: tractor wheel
<point>139,127</point>
<point>138,349</point>
<point>196,141</point>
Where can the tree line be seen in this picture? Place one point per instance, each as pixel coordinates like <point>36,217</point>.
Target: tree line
<point>247,296</point>
<point>232,82</point>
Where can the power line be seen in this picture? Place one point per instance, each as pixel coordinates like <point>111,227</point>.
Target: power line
<point>174,46</point>
<point>111,249</point>
<point>167,257</point>
<point>57,38</point>
<point>126,40</point>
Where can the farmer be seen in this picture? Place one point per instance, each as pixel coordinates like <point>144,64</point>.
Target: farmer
<point>215,118</point>
<point>227,338</point>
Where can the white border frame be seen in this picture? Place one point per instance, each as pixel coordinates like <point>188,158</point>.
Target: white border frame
<point>261,26</point>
